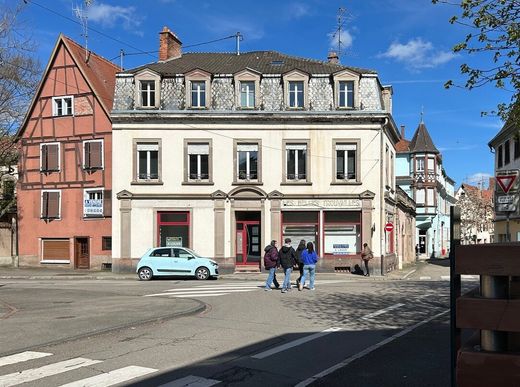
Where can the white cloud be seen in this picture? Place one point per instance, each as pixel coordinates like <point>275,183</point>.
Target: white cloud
<point>297,10</point>
<point>417,54</point>
<point>346,39</point>
<point>112,15</point>
<point>478,178</point>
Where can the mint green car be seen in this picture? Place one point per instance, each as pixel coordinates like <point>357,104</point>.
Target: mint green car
<point>175,261</point>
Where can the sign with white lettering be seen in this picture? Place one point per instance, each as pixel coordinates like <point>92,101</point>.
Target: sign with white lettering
<point>93,207</point>
<point>323,203</point>
<point>174,241</point>
<point>507,199</point>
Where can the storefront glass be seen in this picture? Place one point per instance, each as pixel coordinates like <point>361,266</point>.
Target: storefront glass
<point>342,233</point>
<point>299,225</point>
<point>173,229</point>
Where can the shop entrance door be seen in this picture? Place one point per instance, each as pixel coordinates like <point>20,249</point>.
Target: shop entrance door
<point>248,251</point>
<point>82,253</point>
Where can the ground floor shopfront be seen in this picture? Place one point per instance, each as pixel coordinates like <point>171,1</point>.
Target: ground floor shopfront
<point>233,228</point>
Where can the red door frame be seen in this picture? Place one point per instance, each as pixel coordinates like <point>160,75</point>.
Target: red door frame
<point>186,223</point>
<point>244,240</point>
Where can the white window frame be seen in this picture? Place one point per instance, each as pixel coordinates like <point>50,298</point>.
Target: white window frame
<point>55,107</point>
<point>296,76</point>
<point>297,147</point>
<point>102,152</point>
<point>340,144</point>
<point>248,94</point>
<point>341,76</point>
<point>417,163</point>
<point>248,161</point>
<point>297,92</point>
<point>59,154</point>
<point>346,93</point>
<point>198,94</point>
<point>148,92</point>
<point>148,160</point>
<point>86,192</point>
<point>417,199</point>
<point>59,203</point>
<point>53,260</point>
<point>199,161</point>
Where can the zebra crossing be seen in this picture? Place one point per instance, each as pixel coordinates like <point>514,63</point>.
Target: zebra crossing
<point>104,379</point>
<point>217,290</point>
<point>35,374</point>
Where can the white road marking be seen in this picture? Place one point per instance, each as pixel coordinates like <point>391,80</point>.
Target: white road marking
<point>48,370</point>
<point>200,292</point>
<point>191,381</point>
<point>21,357</point>
<point>381,311</point>
<point>113,377</point>
<point>366,351</point>
<point>198,295</point>
<point>409,273</point>
<point>445,277</point>
<point>294,343</point>
<point>213,287</point>
<point>470,277</point>
<point>425,278</point>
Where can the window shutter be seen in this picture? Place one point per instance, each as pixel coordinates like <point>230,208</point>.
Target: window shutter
<point>87,155</point>
<point>52,157</point>
<point>45,204</point>
<point>53,206</point>
<point>44,156</point>
<point>96,150</point>
<point>107,203</point>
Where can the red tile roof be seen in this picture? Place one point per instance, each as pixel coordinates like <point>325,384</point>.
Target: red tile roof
<point>402,146</point>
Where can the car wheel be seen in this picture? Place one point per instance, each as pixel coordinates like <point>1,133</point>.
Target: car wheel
<point>145,274</point>
<point>202,273</point>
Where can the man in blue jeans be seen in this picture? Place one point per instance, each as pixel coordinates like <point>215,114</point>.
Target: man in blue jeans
<point>309,260</point>
<point>287,261</point>
<point>271,263</point>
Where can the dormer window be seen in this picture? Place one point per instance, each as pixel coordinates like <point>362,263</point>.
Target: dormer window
<point>198,94</point>
<point>247,94</point>
<point>198,89</point>
<point>147,93</point>
<point>345,89</point>
<point>148,89</point>
<point>296,94</point>
<point>247,87</point>
<point>296,89</point>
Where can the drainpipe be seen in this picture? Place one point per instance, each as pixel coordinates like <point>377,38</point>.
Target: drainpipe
<point>382,196</point>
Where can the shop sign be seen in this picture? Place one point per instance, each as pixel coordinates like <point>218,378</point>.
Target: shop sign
<point>93,206</point>
<point>173,241</point>
<point>340,249</point>
<point>323,203</point>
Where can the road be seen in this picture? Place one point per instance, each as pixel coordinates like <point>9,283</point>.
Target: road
<point>349,331</point>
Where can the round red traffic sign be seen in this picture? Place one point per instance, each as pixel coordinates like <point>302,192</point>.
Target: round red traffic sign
<point>389,227</point>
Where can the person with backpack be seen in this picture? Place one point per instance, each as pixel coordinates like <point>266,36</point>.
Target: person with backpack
<point>309,259</point>
<point>287,261</point>
<point>299,250</point>
<point>271,263</point>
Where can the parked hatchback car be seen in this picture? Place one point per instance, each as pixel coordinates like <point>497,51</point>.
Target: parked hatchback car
<point>175,261</point>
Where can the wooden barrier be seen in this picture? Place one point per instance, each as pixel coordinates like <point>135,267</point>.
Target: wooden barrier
<point>492,356</point>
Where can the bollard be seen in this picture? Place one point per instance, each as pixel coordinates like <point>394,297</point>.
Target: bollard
<point>494,287</point>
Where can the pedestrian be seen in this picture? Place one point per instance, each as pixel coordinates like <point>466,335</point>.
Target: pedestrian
<point>299,261</point>
<point>271,263</point>
<point>366,255</point>
<point>309,259</point>
<point>287,261</point>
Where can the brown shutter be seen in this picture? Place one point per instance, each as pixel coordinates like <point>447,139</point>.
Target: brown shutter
<point>45,205</point>
<point>53,207</point>
<point>52,157</point>
<point>87,154</point>
<point>96,151</point>
<point>56,249</point>
<point>107,203</point>
<point>44,155</point>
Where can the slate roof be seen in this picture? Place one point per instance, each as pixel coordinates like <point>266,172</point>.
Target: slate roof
<point>422,142</point>
<point>264,62</point>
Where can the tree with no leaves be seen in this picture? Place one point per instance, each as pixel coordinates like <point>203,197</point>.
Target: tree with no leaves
<point>19,75</point>
<point>495,29</point>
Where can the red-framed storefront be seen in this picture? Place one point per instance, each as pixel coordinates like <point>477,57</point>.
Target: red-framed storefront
<point>174,228</point>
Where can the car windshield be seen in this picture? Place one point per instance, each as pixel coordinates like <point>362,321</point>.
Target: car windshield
<point>192,252</point>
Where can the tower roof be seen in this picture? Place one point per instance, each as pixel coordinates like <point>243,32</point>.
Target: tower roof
<point>422,142</point>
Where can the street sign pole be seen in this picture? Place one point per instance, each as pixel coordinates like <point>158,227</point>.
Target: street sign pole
<point>508,238</point>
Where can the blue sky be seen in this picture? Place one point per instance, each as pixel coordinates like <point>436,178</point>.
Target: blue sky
<point>408,42</point>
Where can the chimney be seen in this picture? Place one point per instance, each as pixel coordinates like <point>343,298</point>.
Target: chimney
<point>333,57</point>
<point>169,45</point>
<point>387,98</point>
<point>402,132</point>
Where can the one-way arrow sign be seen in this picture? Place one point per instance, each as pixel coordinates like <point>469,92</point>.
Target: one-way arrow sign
<point>506,182</point>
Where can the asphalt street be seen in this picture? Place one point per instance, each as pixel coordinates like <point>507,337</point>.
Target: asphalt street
<point>350,331</point>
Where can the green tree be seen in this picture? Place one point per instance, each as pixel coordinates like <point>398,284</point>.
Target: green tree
<point>494,29</point>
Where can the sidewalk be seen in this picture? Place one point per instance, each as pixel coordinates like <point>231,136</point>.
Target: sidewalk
<point>433,268</point>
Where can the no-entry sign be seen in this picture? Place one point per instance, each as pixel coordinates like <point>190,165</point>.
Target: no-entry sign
<point>389,227</point>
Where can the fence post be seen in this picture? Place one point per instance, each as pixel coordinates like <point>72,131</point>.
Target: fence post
<point>455,285</point>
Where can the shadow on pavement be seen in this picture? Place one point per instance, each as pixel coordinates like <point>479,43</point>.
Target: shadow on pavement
<point>444,262</point>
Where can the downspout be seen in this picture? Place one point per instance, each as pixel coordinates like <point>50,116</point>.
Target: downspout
<point>382,197</point>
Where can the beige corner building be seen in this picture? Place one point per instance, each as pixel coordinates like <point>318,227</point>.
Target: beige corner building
<point>223,153</point>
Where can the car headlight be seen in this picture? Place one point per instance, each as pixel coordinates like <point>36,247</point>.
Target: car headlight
<point>214,263</point>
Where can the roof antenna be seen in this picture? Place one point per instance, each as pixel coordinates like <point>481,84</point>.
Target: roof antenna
<point>82,15</point>
<point>239,37</point>
<point>342,19</point>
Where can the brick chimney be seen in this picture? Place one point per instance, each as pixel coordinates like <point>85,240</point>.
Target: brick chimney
<point>333,57</point>
<point>169,45</point>
<point>402,132</point>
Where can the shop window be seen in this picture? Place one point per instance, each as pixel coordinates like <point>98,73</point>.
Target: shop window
<point>173,229</point>
<point>342,233</point>
<point>55,251</point>
<point>299,225</point>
